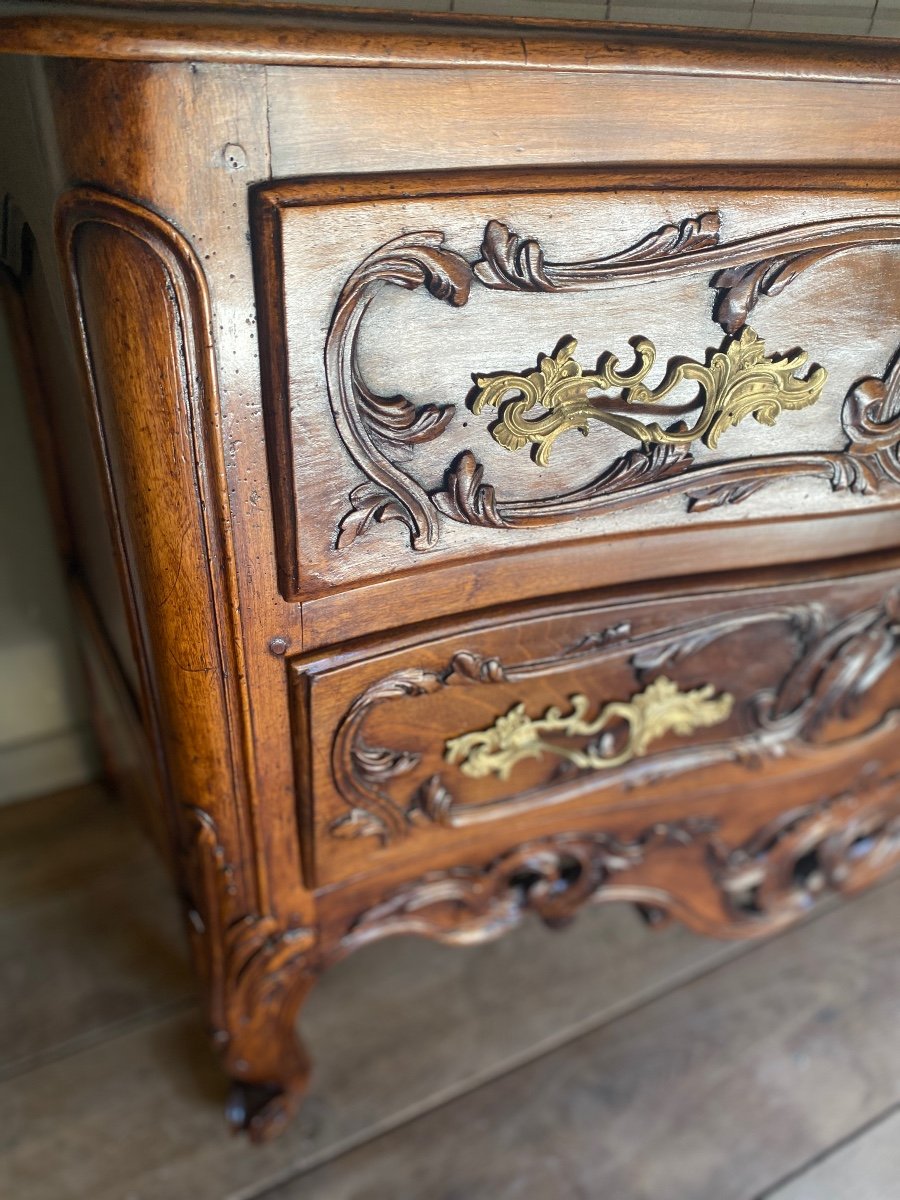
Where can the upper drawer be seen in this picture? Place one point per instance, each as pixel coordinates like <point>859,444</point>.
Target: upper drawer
<point>459,367</point>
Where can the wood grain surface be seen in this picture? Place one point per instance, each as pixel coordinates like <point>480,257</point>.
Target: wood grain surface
<point>399,1028</point>
<point>866,1167</point>
<point>552,118</point>
<point>235,30</point>
<point>772,1048</point>
<point>705,1094</point>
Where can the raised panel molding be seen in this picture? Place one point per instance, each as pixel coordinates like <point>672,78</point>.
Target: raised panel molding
<point>740,272</point>
<point>381,432</point>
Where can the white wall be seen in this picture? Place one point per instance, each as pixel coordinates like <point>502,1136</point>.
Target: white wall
<point>45,742</point>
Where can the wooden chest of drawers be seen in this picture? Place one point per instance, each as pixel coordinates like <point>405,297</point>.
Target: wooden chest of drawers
<point>476,448</point>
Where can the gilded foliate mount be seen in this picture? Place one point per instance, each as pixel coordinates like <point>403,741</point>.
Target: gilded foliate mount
<point>738,382</point>
<point>661,708</point>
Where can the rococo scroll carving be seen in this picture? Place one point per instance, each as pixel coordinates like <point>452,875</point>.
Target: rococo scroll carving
<point>376,428</point>
<point>256,971</point>
<point>835,664</point>
<point>552,877</point>
<point>368,423</point>
<point>362,769</point>
<point>842,843</point>
<point>251,954</point>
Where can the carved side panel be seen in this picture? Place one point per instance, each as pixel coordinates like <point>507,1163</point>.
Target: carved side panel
<point>142,319</point>
<point>422,376</point>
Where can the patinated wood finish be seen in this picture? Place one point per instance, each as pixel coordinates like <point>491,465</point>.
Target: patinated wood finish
<point>483,492</point>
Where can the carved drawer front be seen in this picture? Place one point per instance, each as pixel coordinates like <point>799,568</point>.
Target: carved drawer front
<point>456,369</point>
<point>572,712</point>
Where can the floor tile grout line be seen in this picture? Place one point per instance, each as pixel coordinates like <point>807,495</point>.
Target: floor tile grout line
<point>828,1152</point>
<point>546,1047</point>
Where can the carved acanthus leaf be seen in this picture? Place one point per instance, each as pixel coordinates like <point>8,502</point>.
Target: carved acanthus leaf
<point>432,803</point>
<point>647,463</point>
<point>843,843</point>
<point>736,492</point>
<point>739,288</point>
<point>465,497</point>
<point>871,420</point>
<point>378,763</point>
<point>684,237</point>
<point>357,823</point>
<point>510,262</point>
<point>370,503</point>
<point>466,667</point>
<point>599,638</point>
<point>399,422</point>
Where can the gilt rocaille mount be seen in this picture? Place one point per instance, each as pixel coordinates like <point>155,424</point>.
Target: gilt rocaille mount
<point>375,428</point>
<point>659,709</point>
<point>738,382</point>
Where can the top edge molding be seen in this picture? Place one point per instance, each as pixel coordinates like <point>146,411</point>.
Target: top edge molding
<point>282,33</point>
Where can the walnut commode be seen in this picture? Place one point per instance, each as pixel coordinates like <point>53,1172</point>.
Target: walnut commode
<point>476,450</point>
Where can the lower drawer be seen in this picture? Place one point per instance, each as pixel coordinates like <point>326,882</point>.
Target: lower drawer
<point>519,724</point>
